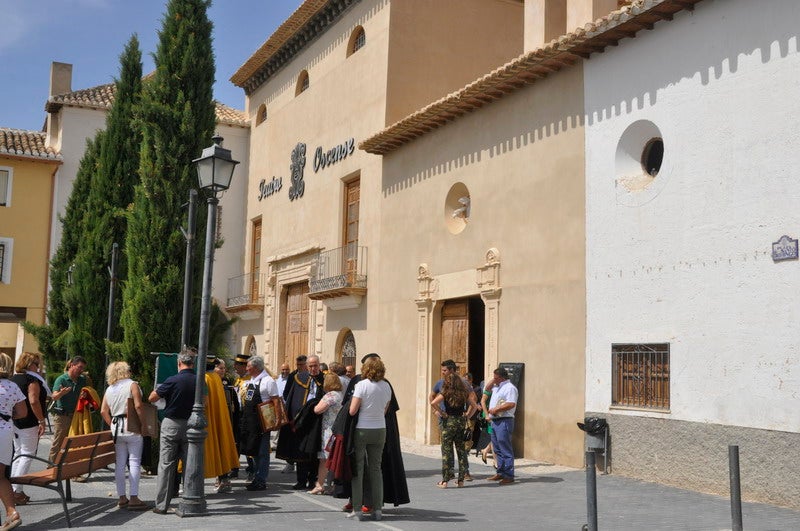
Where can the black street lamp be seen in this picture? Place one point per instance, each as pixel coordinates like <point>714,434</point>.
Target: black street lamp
<point>214,171</point>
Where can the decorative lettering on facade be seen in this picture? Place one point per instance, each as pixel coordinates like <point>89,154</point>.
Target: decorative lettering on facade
<point>784,249</point>
<point>266,189</point>
<point>333,155</point>
<point>296,171</point>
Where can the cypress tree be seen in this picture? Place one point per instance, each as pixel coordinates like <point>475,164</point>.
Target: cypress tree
<point>54,338</point>
<point>177,121</point>
<point>104,221</point>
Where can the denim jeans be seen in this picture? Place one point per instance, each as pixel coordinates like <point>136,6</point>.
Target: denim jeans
<point>501,442</point>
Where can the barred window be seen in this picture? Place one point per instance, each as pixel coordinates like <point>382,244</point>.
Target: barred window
<point>349,350</point>
<point>357,41</point>
<point>640,375</point>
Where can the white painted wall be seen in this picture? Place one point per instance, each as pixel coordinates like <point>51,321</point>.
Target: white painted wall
<point>688,260</point>
<point>229,259</point>
<point>77,124</point>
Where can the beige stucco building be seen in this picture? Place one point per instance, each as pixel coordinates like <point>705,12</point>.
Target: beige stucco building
<point>27,170</point>
<point>467,243</point>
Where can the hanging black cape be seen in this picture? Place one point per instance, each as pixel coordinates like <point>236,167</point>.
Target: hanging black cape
<point>395,487</point>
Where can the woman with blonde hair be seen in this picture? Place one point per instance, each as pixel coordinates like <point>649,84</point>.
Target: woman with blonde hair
<point>12,406</point>
<point>128,445</point>
<point>328,406</point>
<point>30,428</point>
<point>370,401</point>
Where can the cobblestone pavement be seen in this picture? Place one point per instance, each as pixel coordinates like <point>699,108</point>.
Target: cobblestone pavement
<point>545,497</point>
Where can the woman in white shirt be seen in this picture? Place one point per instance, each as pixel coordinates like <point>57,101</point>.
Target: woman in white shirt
<point>370,400</point>
<point>128,445</point>
<point>12,406</point>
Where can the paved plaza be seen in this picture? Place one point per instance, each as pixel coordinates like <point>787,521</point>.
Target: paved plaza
<point>545,497</point>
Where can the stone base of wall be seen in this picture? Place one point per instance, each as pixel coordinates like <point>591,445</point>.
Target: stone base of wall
<point>694,455</point>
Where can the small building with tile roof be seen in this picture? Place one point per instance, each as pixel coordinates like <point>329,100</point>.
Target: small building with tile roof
<point>27,173</point>
<point>73,116</point>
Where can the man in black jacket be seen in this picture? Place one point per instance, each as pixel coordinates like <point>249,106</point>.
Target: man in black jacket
<point>303,388</point>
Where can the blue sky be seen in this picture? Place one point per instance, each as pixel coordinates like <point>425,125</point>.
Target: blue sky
<point>91,35</point>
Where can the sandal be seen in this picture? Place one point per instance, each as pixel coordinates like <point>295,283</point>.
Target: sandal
<point>123,503</point>
<point>13,520</point>
<point>317,490</point>
<point>442,484</point>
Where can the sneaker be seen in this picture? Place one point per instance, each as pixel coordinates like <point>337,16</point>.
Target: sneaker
<point>377,515</point>
<point>256,486</point>
<point>365,509</point>
<point>348,508</point>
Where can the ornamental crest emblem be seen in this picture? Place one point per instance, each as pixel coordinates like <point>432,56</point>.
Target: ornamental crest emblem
<point>296,171</point>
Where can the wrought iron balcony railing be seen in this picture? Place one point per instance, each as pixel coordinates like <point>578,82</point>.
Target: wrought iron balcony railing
<point>246,290</point>
<point>340,271</point>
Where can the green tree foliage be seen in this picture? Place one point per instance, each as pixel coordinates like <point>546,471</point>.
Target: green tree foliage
<point>54,338</point>
<point>177,121</point>
<point>104,223</point>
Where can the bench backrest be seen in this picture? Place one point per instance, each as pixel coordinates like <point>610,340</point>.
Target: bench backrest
<point>81,454</point>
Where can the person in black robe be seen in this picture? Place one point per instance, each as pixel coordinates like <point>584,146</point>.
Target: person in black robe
<point>305,387</point>
<point>395,487</point>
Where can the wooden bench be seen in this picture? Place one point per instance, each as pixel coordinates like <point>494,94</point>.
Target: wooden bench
<point>79,455</point>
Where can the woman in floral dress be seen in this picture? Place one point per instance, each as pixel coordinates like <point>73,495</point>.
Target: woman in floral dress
<point>328,406</point>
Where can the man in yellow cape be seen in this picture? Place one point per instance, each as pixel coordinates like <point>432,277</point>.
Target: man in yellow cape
<point>220,449</point>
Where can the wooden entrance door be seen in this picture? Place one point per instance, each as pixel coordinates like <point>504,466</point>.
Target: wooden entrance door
<point>455,334</point>
<point>296,336</point>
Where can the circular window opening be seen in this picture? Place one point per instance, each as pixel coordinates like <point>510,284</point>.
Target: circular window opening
<point>457,207</point>
<point>639,156</point>
<point>652,155</point>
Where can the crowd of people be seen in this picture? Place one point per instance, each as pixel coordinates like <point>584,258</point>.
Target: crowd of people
<point>342,439</point>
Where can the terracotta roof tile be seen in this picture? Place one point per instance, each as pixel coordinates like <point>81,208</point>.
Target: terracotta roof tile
<point>21,143</point>
<point>527,69</point>
<point>102,96</point>
<point>285,31</point>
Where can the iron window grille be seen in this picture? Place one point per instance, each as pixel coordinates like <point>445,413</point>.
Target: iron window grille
<point>640,375</point>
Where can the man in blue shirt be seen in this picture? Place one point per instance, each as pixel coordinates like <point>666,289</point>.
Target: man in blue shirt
<point>502,407</point>
<point>178,392</point>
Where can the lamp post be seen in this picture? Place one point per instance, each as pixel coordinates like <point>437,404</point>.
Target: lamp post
<point>70,273</point>
<point>187,273</point>
<point>214,171</point>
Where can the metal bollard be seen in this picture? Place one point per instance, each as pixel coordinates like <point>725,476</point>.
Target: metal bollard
<point>591,492</point>
<point>736,490</point>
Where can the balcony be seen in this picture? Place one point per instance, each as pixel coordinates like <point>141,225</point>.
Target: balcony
<point>246,295</point>
<point>340,277</point>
